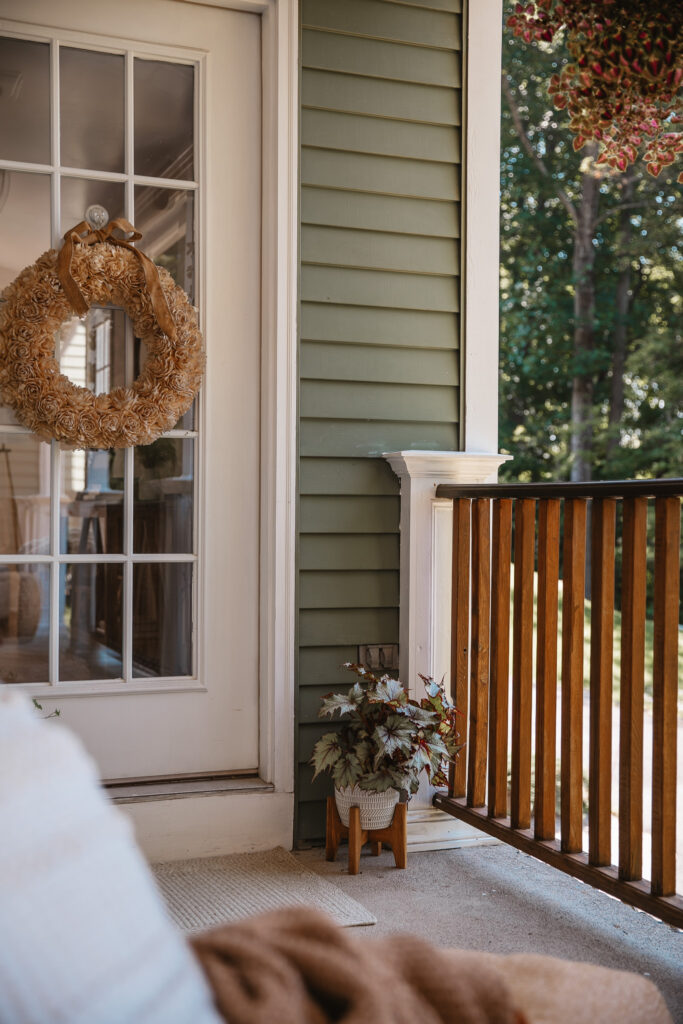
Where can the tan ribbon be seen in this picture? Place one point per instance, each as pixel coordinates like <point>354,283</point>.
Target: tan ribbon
<point>84,234</point>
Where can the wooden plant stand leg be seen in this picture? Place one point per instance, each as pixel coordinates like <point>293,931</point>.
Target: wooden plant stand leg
<point>395,835</point>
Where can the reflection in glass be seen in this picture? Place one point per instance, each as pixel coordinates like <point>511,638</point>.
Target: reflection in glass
<point>24,495</point>
<point>162,619</point>
<point>24,623</point>
<point>92,109</point>
<point>163,496</point>
<point>24,220</point>
<point>90,619</point>
<point>92,351</point>
<point>80,193</point>
<point>25,101</point>
<point>91,505</point>
<point>164,119</point>
<point>165,216</point>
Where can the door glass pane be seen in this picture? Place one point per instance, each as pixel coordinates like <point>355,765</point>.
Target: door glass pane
<point>24,100</point>
<point>24,230</point>
<point>24,623</point>
<point>91,504</point>
<point>24,495</point>
<point>164,119</point>
<point>162,619</point>
<point>163,496</point>
<point>80,193</point>
<point>92,109</point>
<point>92,350</point>
<point>165,216</point>
<point>91,602</point>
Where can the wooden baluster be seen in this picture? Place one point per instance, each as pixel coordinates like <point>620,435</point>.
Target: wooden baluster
<point>602,627</point>
<point>479,674</point>
<point>546,667</point>
<point>664,695</point>
<point>633,596</point>
<point>500,657</point>
<point>573,590</point>
<point>460,632</point>
<point>522,652</point>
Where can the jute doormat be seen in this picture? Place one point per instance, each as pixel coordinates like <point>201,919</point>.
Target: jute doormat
<point>207,892</point>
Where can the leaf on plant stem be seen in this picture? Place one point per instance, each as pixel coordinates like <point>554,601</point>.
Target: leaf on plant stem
<point>382,780</point>
<point>395,734</point>
<point>343,703</point>
<point>326,753</point>
<point>347,771</point>
<point>389,689</point>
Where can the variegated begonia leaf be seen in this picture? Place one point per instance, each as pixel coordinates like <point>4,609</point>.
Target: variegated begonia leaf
<point>395,734</point>
<point>421,715</point>
<point>343,703</point>
<point>326,752</point>
<point>347,771</point>
<point>389,689</point>
<point>381,781</point>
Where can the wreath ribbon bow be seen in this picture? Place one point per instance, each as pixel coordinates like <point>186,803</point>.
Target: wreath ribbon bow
<point>84,234</point>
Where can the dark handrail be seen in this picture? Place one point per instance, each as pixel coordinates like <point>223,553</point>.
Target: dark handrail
<point>662,488</point>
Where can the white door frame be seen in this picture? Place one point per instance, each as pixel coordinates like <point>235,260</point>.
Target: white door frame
<point>280,82</point>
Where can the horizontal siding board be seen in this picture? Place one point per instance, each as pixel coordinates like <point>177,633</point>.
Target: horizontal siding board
<point>383,175</point>
<point>379,288</point>
<point>383,21</point>
<point>325,513</point>
<point>322,666</point>
<point>399,215</point>
<point>310,699</point>
<point>343,247</point>
<point>346,476</point>
<point>310,821</point>
<point>348,589</point>
<point>360,133</point>
<point>426,104</point>
<point>378,59</point>
<point>395,327</point>
<point>348,626</point>
<point>438,5</point>
<point>344,438</point>
<point>362,400</point>
<point>328,361</point>
<point>308,789</point>
<point>349,551</point>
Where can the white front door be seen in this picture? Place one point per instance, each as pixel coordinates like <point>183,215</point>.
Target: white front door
<point>129,580</point>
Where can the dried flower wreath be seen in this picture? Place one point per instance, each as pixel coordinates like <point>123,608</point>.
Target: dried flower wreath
<point>98,267</point>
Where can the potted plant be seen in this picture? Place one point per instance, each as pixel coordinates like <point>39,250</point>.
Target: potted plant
<point>385,741</point>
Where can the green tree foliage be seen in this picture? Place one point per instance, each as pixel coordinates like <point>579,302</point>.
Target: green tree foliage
<point>591,296</point>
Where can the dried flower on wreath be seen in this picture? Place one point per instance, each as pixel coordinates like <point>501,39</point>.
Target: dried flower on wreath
<point>46,401</point>
<point>622,88</point>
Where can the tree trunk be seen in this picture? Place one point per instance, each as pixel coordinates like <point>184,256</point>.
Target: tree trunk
<point>623,302</point>
<point>584,322</point>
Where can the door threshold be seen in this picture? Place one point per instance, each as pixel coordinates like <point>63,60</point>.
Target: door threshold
<point>139,792</point>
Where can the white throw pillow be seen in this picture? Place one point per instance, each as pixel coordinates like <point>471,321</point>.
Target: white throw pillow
<point>84,935</point>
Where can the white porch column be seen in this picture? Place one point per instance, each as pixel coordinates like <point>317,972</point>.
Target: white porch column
<point>424,621</point>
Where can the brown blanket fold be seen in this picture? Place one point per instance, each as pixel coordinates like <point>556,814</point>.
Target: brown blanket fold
<point>296,966</point>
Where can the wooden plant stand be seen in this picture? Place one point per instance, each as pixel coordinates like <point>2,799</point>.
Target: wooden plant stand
<point>395,835</point>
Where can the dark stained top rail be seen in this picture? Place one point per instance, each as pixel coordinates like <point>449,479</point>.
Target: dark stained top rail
<point>664,488</point>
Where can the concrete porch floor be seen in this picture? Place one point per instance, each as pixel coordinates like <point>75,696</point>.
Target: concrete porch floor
<point>498,899</point>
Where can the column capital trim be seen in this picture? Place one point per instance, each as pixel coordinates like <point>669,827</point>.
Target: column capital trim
<point>454,467</point>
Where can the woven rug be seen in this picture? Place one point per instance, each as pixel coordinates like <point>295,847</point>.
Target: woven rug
<point>203,893</point>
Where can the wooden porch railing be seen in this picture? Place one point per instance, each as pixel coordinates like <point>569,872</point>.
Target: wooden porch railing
<point>485,520</point>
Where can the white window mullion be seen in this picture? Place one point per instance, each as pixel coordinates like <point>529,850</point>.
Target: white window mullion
<point>55,143</point>
<point>55,569</point>
<point>127,651</point>
<point>129,138</point>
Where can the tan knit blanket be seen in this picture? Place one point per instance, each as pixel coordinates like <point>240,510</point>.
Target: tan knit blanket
<point>296,966</point>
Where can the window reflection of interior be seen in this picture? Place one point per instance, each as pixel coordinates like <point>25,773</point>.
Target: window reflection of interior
<point>109,504</point>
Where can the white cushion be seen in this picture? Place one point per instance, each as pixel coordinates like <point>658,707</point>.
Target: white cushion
<point>84,935</point>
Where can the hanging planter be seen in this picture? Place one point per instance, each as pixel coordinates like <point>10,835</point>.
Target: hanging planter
<point>622,88</point>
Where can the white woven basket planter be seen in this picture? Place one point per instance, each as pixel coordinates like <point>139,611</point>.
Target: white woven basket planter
<point>376,809</point>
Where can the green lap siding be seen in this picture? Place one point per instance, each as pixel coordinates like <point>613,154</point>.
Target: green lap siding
<point>379,319</point>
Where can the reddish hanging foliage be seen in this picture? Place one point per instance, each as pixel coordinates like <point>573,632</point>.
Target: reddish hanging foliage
<point>623,86</point>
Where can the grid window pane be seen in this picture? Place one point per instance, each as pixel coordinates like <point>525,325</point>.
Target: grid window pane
<point>92,109</point>
<point>25,101</point>
<point>162,619</point>
<point>90,621</point>
<point>80,193</point>
<point>163,497</point>
<point>91,502</point>
<point>24,495</point>
<point>164,119</point>
<point>24,623</point>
